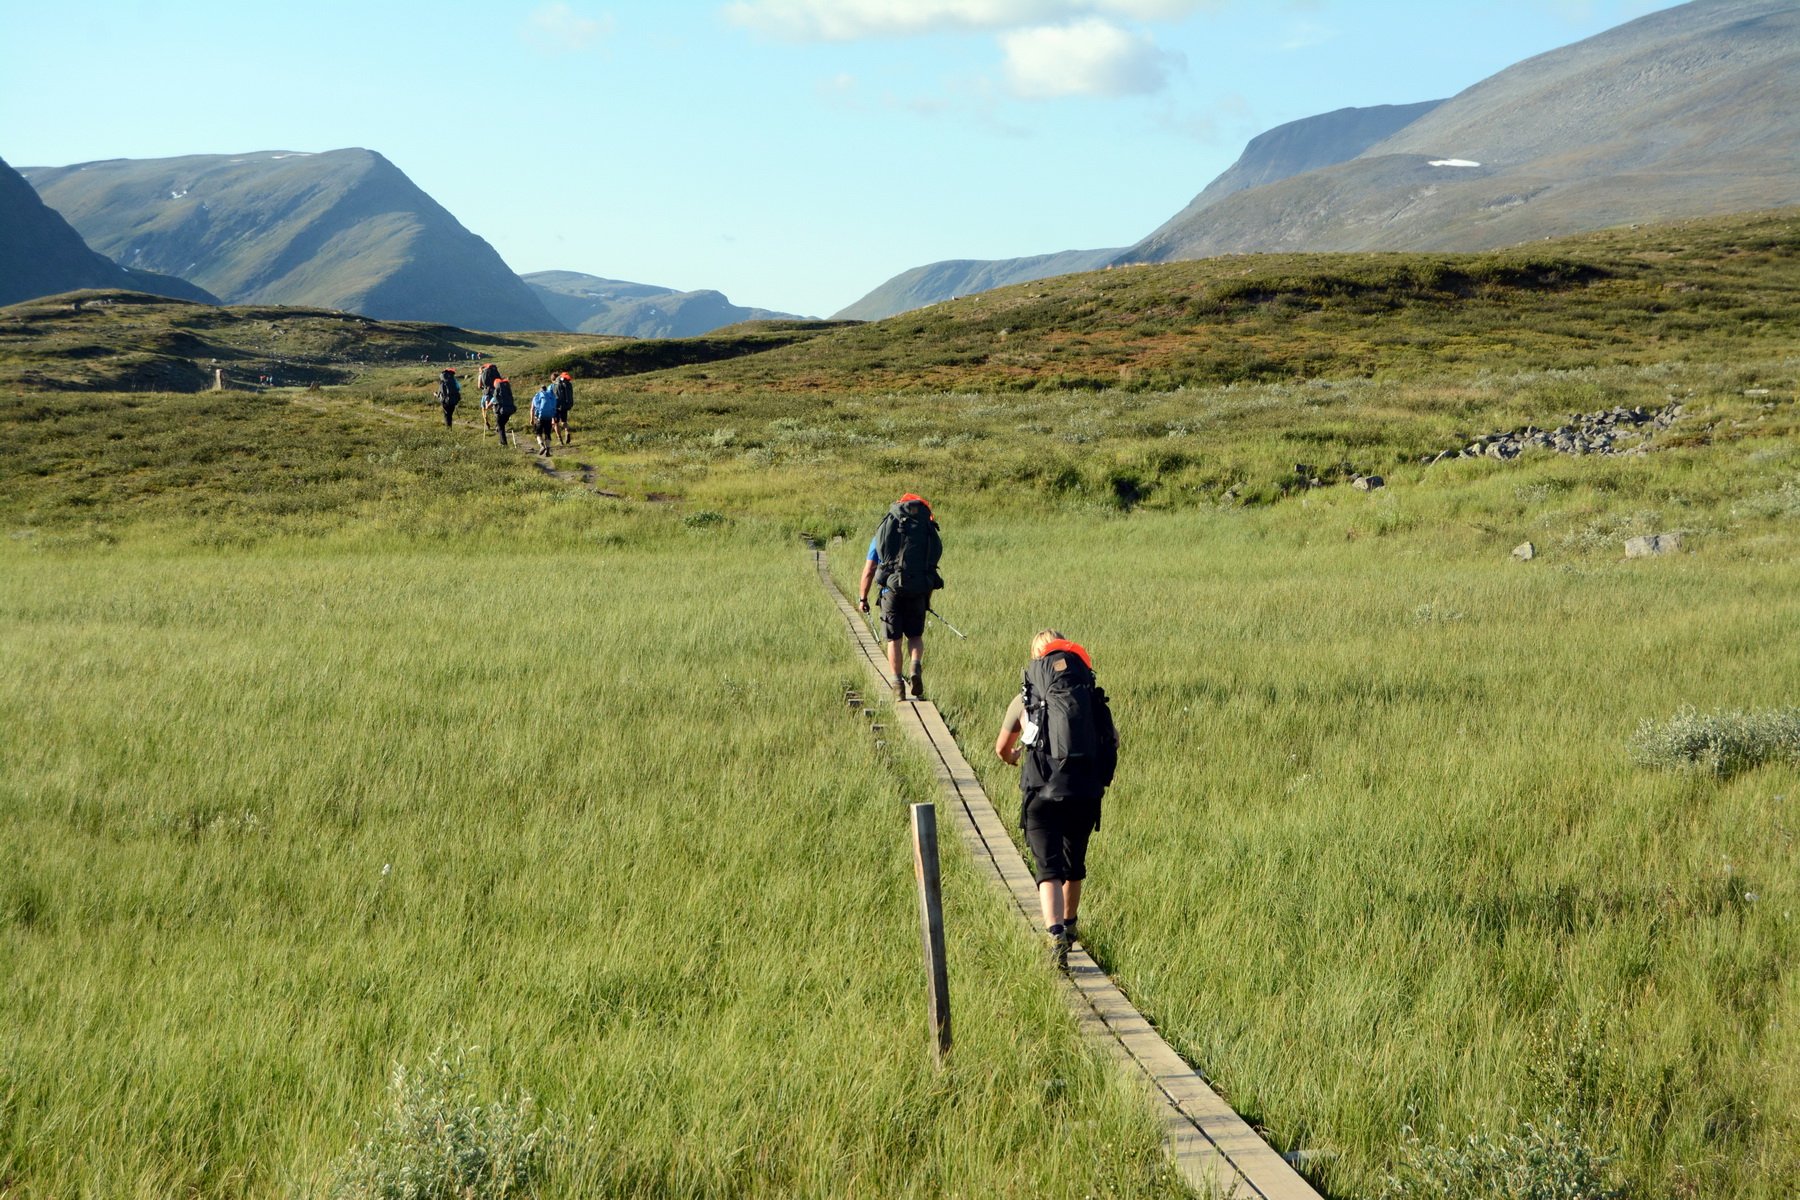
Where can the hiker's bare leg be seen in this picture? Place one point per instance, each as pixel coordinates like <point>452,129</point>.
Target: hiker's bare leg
<point>1071,898</point>
<point>915,645</point>
<point>1050,899</point>
<point>894,656</point>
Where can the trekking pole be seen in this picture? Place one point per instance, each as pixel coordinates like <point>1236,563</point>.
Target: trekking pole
<point>947,625</point>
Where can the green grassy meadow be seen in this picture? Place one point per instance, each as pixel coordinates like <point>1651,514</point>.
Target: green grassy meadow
<point>1377,855</point>
<point>277,821</point>
<point>331,740</point>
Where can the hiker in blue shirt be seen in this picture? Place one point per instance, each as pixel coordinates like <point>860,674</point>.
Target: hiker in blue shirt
<point>543,417</point>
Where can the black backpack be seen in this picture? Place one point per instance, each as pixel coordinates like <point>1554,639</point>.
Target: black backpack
<point>448,391</point>
<point>565,394</point>
<point>908,547</point>
<point>503,401</point>
<point>1076,750</point>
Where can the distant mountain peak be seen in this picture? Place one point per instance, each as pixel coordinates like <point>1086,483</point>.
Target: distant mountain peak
<point>591,304</point>
<point>1690,111</point>
<point>343,229</point>
<point>42,255</point>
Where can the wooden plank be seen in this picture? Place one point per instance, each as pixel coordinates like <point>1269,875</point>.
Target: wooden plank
<point>1212,1147</point>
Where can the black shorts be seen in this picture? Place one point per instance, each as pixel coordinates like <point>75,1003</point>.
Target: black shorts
<point>543,426</point>
<point>903,616</point>
<point>1057,832</point>
<point>562,412</point>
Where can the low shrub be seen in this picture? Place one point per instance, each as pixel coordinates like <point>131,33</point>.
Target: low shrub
<point>1722,743</point>
<point>437,1141</point>
<point>1540,1160</point>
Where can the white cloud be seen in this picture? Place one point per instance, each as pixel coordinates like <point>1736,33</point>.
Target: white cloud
<point>839,91</point>
<point>1304,35</point>
<point>558,28</point>
<point>1089,57</point>
<point>850,20</point>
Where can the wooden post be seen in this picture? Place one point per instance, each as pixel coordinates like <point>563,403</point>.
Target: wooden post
<point>931,924</point>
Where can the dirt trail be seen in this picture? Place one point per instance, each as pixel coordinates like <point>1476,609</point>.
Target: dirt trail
<point>562,464</point>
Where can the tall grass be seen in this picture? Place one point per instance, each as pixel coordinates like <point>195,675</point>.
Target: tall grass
<point>1379,857</point>
<point>332,743</point>
<point>272,824</point>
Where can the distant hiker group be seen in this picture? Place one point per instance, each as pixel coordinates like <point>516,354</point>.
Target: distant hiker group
<point>1058,729</point>
<point>550,405</point>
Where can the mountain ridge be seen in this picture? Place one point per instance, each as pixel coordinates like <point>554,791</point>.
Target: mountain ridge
<point>1686,112</point>
<point>1276,154</point>
<point>42,254</point>
<point>341,229</point>
<point>1691,111</point>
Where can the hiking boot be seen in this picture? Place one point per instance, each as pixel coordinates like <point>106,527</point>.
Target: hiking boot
<point>899,687</point>
<point>1060,941</point>
<point>918,683</point>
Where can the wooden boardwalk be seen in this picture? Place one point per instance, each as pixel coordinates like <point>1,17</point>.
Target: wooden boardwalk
<point>1213,1148</point>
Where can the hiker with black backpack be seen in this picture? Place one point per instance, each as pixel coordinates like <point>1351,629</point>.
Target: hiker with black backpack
<point>903,563</point>
<point>449,395</point>
<point>504,407</point>
<point>1059,731</point>
<point>565,401</point>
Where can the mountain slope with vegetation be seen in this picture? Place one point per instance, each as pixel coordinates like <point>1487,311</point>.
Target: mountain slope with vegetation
<point>955,277</point>
<point>1687,112</point>
<point>113,341</point>
<point>344,229</point>
<point>41,255</point>
<point>1283,151</point>
<point>1625,295</point>
<point>1298,147</point>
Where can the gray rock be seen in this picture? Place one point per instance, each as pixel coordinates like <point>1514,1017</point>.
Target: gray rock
<point>1524,551</point>
<point>1367,483</point>
<point>1652,544</point>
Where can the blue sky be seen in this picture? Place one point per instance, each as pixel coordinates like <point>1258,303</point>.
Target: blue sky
<point>793,154</point>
